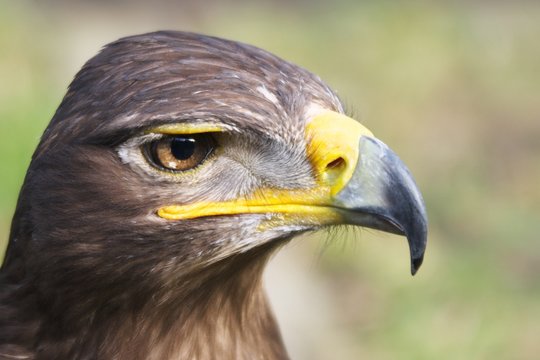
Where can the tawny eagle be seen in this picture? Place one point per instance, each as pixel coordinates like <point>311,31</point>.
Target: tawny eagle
<point>174,167</point>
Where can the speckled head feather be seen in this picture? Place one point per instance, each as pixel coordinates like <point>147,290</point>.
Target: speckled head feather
<point>91,272</point>
<point>170,76</point>
<point>85,244</point>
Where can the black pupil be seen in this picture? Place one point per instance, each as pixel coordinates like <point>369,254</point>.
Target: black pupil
<point>183,148</point>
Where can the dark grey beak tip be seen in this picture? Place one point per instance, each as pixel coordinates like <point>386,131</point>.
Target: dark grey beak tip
<point>417,243</point>
<point>416,263</point>
<point>416,233</point>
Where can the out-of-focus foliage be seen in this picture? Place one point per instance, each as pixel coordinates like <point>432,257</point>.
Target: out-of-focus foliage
<point>454,89</point>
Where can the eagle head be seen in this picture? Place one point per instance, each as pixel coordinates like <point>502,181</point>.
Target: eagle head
<point>174,166</point>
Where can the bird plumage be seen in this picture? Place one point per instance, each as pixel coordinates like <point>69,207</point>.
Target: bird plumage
<point>91,272</point>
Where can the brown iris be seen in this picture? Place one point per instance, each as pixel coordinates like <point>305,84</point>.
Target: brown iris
<point>180,152</point>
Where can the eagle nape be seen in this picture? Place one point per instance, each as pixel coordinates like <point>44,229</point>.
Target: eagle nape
<point>174,167</point>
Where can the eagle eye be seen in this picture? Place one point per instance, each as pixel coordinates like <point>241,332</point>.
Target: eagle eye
<point>179,152</point>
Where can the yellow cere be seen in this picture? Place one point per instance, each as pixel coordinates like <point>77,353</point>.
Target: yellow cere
<point>333,141</point>
<point>334,137</point>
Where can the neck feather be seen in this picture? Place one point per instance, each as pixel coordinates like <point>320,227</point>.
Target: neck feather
<point>223,314</point>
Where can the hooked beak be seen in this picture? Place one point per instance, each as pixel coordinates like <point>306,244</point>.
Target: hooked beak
<point>382,195</point>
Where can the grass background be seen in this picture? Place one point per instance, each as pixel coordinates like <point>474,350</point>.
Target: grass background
<point>452,87</point>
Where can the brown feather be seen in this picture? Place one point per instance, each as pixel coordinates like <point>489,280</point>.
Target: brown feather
<point>91,272</point>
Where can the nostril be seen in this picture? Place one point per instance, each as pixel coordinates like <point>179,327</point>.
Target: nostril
<point>336,164</point>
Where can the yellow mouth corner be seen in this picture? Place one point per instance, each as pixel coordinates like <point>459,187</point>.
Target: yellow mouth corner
<point>333,141</point>
<point>312,202</point>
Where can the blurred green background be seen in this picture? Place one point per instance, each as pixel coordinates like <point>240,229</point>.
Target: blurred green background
<point>452,87</point>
